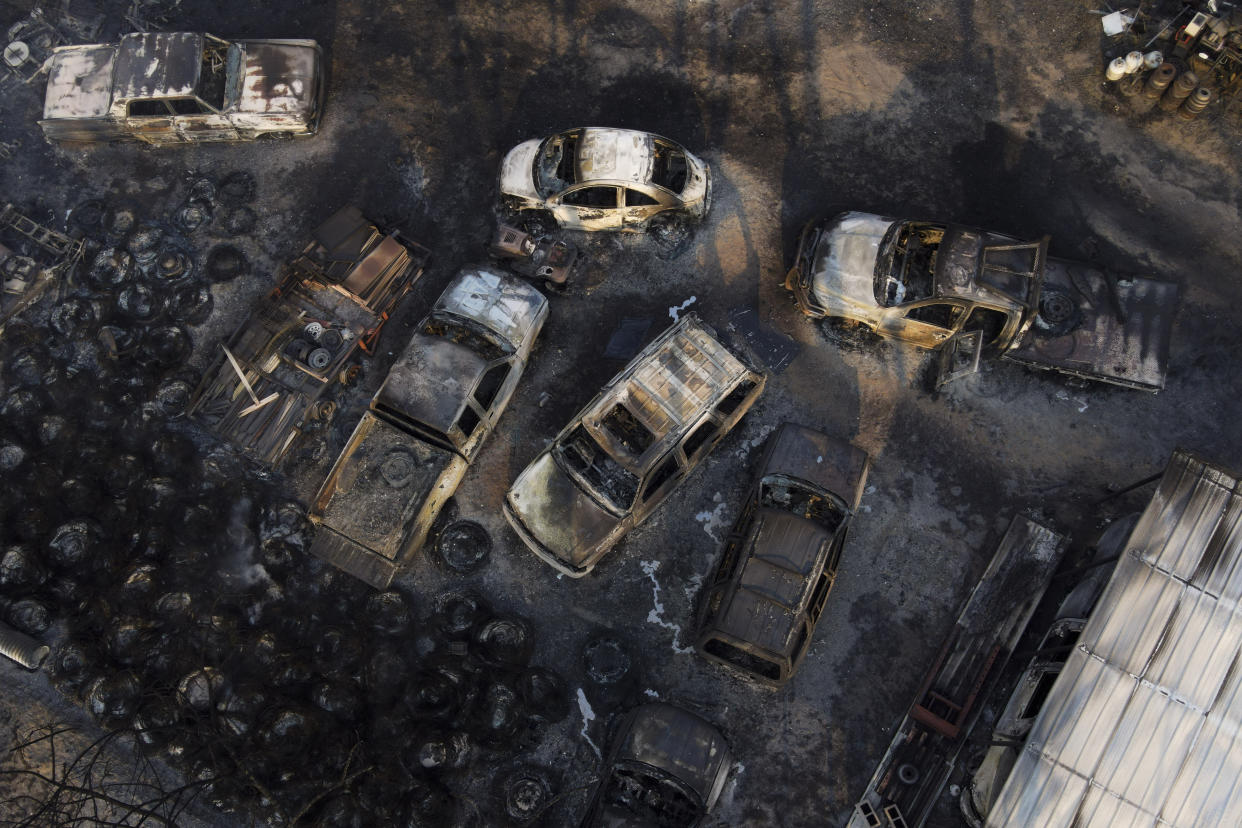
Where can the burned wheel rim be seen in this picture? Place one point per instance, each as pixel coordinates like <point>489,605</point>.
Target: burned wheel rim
<point>1058,312</point>
<point>464,546</point>
<point>526,795</point>
<point>606,659</point>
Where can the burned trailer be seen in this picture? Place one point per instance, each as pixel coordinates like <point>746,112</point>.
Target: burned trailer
<point>278,369</point>
<point>972,293</point>
<point>426,424</point>
<point>179,87</point>
<point>1142,723</point>
<point>925,748</point>
<point>32,259</point>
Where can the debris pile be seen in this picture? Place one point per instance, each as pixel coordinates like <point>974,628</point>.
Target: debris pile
<point>1176,57</point>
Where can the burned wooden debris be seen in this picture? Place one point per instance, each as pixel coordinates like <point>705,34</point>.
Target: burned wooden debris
<point>279,369</point>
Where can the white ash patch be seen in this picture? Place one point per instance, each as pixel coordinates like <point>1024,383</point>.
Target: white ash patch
<point>676,311</point>
<point>588,716</point>
<point>713,519</point>
<point>656,615</point>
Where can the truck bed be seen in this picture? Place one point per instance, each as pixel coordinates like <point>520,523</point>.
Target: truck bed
<point>1117,331</point>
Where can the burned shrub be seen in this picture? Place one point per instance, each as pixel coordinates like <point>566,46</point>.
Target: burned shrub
<point>437,749</point>
<point>336,698</point>
<point>73,317</point>
<point>199,690</point>
<point>172,264</point>
<point>30,367</point>
<point>21,410</point>
<point>89,215</point>
<point>172,396</point>
<point>119,220</point>
<point>114,697</point>
<point>139,303</point>
<point>117,341</point>
<point>337,652</point>
<point>458,614</point>
<point>193,214</point>
<point>111,268</point>
<point>238,712</point>
<point>123,475</point>
<point>165,347</point>
<point>143,243</point>
<point>20,568</point>
<point>30,615</point>
<point>436,696</point>
<point>191,303</point>
<point>388,613</point>
<point>73,544</point>
<point>225,263</point>
<point>385,675</point>
<point>156,722</point>
<point>285,521</point>
<point>11,457</point>
<point>30,522</point>
<point>220,468</point>
<point>80,495</point>
<point>525,793</point>
<point>463,546</point>
<point>160,496</point>
<point>72,665</point>
<point>140,585</point>
<point>504,642</point>
<point>171,453</point>
<point>496,716</point>
<point>237,188</point>
<point>66,591</point>
<point>288,732</point>
<point>129,640</point>
<point>426,802</point>
<point>544,695</point>
<point>55,431</point>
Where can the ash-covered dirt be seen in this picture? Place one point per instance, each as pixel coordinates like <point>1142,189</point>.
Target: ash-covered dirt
<point>991,114</point>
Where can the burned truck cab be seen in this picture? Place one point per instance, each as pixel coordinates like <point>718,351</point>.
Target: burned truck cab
<point>183,87</point>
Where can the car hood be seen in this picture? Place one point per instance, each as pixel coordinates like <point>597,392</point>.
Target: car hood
<point>843,269</point>
<point>431,380</point>
<point>679,743</point>
<point>504,304</point>
<point>558,514</point>
<point>278,76</point>
<point>517,171</point>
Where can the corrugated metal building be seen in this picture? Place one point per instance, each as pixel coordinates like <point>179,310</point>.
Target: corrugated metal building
<point>1144,725</point>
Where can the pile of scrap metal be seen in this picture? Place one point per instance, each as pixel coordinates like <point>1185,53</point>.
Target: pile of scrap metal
<point>275,372</point>
<point>1181,62</point>
<point>32,259</point>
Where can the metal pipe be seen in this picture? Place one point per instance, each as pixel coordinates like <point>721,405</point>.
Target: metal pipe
<point>26,651</point>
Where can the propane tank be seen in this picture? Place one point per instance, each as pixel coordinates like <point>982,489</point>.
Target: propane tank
<point>1179,91</point>
<point>1196,103</point>
<point>1116,69</point>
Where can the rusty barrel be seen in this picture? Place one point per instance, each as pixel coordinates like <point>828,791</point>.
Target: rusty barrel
<point>1179,91</point>
<point>1196,103</point>
<point>20,647</point>
<point>1159,80</point>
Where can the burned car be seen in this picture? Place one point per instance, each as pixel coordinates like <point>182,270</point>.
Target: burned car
<point>759,611</point>
<point>623,454</point>
<point>665,769</point>
<point>604,179</point>
<point>970,292</point>
<point>278,370</point>
<point>177,87</point>
<point>426,424</point>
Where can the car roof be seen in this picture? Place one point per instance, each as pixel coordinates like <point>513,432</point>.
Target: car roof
<point>614,156</point>
<point>812,456</point>
<point>771,587</point>
<point>79,82</point>
<point>676,741</point>
<point>158,64</point>
<point>666,387</point>
<point>502,303</point>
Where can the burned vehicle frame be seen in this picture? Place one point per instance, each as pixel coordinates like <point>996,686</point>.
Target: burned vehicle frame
<point>629,448</point>
<point>970,292</point>
<point>666,768</point>
<point>758,612</point>
<point>597,178</point>
<point>426,424</point>
<point>178,87</point>
<point>32,259</point>
<point>296,347</point>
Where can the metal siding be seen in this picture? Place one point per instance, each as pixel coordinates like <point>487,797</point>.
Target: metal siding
<point>1149,705</point>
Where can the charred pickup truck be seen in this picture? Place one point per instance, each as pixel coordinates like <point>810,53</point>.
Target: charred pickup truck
<point>426,424</point>
<point>759,611</point>
<point>622,455</point>
<point>275,372</point>
<point>178,87</point>
<point>971,292</point>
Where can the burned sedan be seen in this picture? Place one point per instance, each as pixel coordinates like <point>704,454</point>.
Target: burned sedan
<point>604,179</point>
<point>665,769</point>
<point>617,461</point>
<point>426,424</point>
<point>759,611</point>
<point>970,292</point>
<point>177,87</point>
